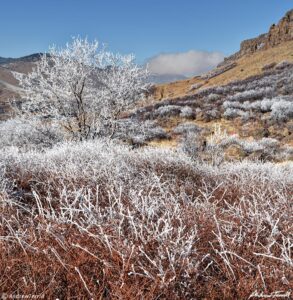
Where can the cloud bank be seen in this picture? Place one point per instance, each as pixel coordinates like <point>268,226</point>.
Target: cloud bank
<point>184,63</point>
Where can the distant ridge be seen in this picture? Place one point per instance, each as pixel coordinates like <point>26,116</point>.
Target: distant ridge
<point>28,58</point>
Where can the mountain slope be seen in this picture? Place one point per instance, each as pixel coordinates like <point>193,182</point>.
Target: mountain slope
<point>246,66</point>
<point>254,55</point>
<point>247,101</point>
<point>8,84</point>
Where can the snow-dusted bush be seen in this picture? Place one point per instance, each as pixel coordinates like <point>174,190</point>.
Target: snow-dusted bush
<point>174,110</point>
<point>213,90</point>
<point>232,104</point>
<point>186,112</point>
<point>250,146</point>
<point>234,112</point>
<point>252,94</point>
<point>28,134</point>
<point>168,110</point>
<point>282,110</point>
<point>212,113</point>
<point>259,105</point>
<point>132,130</point>
<point>192,144</point>
<point>154,132</point>
<point>265,144</point>
<point>184,128</point>
<point>266,148</point>
<point>220,70</point>
<point>286,154</point>
<point>265,105</point>
<point>269,143</point>
<point>213,97</point>
<point>195,86</point>
<point>82,87</point>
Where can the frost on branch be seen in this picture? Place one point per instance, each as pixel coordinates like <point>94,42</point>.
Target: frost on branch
<point>83,87</point>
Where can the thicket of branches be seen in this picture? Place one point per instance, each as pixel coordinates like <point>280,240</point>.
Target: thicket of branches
<point>97,219</point>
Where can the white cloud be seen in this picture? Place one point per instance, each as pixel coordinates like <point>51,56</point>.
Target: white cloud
<point>184,63</point>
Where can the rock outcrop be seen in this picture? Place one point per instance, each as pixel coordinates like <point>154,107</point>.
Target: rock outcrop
<point>282,32</point>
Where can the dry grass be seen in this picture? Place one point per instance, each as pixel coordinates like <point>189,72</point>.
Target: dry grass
<point>170,143</point>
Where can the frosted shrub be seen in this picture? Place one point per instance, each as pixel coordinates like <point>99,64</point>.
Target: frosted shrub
<point>252,94</point>
<point>285,154</point>
<point>138,132</point>
<point>154,132</point>
<point>266,105</point>
<point>213,97</point>
<point>259,105</point>
<point>219,70</point>
<point>268,148</point>
<point>269,143</point>
<point>29,134</point>
<point>186,112</point>
<point>195,86</point>
<point>212,114</point>
<point>269,66</point>
<point>184,128</point>
<point>213,90</point>
<point>168,110</point>
<point>191,144</point>
<point>232,104</point>
<point>250,146</point>
<point>282,110</point>
<point>234,112</point>
<point>281,107</point>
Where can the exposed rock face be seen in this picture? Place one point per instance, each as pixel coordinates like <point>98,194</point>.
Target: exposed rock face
<point>277,34</point>
<point>282,32</point>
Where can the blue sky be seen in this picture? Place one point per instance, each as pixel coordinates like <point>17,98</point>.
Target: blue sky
<point>145,28</point>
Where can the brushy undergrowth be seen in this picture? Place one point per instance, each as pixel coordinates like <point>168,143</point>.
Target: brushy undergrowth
<point>101,220</point>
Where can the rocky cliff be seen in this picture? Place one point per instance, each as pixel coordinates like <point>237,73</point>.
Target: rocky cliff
<point>282,32</point>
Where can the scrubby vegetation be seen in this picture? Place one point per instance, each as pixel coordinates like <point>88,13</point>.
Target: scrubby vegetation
<point>106,216</point>
<point>257,107</point>
<point>97,219</point>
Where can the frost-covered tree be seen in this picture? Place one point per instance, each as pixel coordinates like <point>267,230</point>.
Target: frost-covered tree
<point>83,87</point>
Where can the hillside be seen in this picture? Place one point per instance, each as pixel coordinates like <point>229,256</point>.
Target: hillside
<point>254,54</point>
<point>246,66</point>
<point>249,97</point>
<point>8,84</point>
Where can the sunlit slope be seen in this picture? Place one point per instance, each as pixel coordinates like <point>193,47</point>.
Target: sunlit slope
<point>246,66</point>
